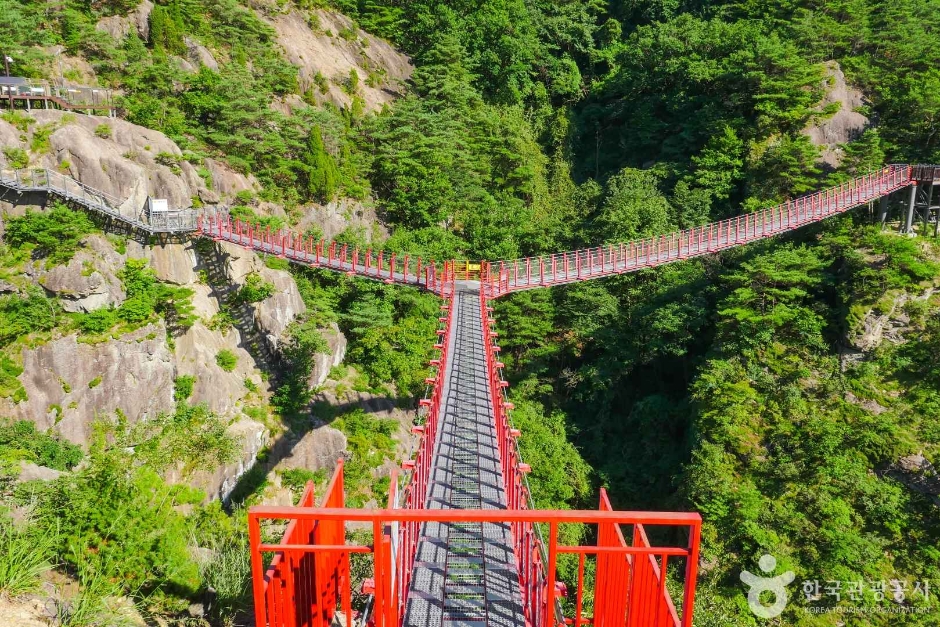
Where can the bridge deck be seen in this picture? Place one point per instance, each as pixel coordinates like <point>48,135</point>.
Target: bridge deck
<point>465,574</point>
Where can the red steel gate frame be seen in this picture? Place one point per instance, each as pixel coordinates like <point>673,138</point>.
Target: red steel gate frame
<point>308,579</point>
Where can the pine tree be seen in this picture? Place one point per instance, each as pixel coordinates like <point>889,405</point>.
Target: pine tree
<point>322,174</point>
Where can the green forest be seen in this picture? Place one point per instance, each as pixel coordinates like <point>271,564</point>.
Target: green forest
<point>724,385</point>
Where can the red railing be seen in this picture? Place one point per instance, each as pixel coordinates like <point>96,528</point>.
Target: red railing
<point>588,263</point>
<point>415,492</point>
<point>629,586</point>
<point>626,589</point>
<point>379,265</point>
<point>301,587</point>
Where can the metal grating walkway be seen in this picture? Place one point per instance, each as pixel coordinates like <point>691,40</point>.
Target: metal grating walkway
<point>465,573</point>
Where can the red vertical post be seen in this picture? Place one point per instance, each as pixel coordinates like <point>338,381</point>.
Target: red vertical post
<point>691,575</point>
<point>257,572</point>
<point>391,267</point>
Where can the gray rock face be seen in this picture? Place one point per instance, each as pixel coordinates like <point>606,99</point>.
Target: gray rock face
<point>31,472</point>
<point>846,124</point>
<point>199,55</point>
<point>339,215</point>
<point>273,315</point>
<point>227,182</point>
<point>174,263</point>
<point>319,448</point>
<point>252,437</point>
<point>131,164</point>
<point>891,325</point>
<point>316,52</point>
<point>918,474</point>
<point>195,354</point>
<point>69,383</point>
<point>85,283</point>
<point>322,362</point>
<point>119,26</point>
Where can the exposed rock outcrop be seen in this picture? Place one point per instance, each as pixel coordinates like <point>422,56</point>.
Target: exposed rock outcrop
<point>846,124</point>
<point>31,472</point>
<point>119,26</point>
<point>323,362</point>
<point>127,161</point>
<point>273,315</point>
<point>85,283</point>
<point>199,55</point>
<point>325,58</point>
<point>196,352</point>
<point>252,437</point>
<point>339,215</point>
<point>174,263</point>
<point>317,449</point>
<point>877,326</point>
<point>918,474</point>
<point>69,382</point>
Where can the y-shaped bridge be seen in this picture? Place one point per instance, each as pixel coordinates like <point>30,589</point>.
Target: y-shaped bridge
<point>459,543</point>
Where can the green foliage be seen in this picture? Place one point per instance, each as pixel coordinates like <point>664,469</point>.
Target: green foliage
<point>192,436</point>
<point>21,440</point>
<point>98,321</point>
<point>16,157</point>
<point>121,522</point>
<point>183,387</point>
<point>370,443</point>
<point>226,360</point>
<point>94,383</point>
<point>25,554</point>
<point>146,296</point>
<point>56,234</point>
<point>10,386</point>
<point>255,289</point>
<point>21,315</point>
<point>103,131</point>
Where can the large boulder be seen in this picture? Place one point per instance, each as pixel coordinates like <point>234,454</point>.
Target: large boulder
<point>70,383</point>
<point>85,283</point>
<point>317,449</point>
<point>120,26</point>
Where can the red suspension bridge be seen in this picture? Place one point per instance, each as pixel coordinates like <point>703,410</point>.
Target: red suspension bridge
<point>458,542</point>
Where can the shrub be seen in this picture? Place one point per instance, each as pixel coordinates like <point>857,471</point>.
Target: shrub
<point>103,131</point>
<point>98,321</point>
<point>183,387</point>
<point>16,157</point>
<point>10,386</point>
<point>56,233</point>
<point>22,315</point>
<point>40,143</point>
<point>94,383</point>
<point>255,289</point>
<point>276,263</point>
<point>21,440</point>
<point>226,360</point>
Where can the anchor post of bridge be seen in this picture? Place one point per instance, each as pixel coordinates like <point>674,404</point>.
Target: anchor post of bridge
<point>883,211</point>
<point>907,227</point>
